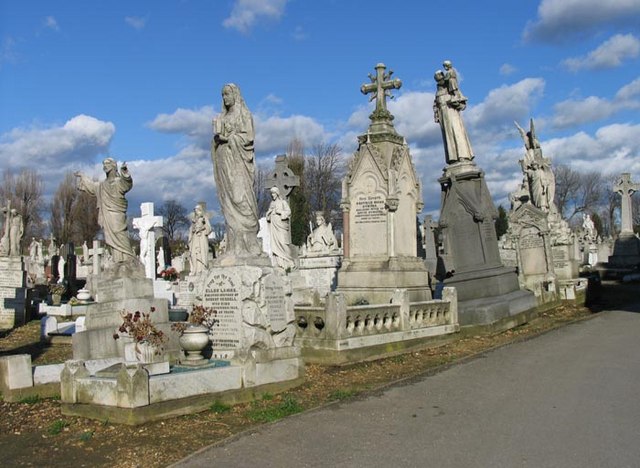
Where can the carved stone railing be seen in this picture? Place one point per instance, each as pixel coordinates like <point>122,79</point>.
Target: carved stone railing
<point>337,321</point>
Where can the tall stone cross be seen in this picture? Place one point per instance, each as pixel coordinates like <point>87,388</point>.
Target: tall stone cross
<point>380,87</point>
<point>146,224</point>
<point>283,177</point>
<point>626,188</point>
<point>97,254</point>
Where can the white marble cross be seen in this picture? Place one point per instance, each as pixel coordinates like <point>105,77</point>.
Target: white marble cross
<point>146,224</point>
<point>626,188</point>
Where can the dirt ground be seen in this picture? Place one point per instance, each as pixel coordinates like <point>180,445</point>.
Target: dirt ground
<point>35,433</point>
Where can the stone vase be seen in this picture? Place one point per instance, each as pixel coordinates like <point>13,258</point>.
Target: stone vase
<point>143,352</point>
<point>193,340</point>
<point>56,299</point>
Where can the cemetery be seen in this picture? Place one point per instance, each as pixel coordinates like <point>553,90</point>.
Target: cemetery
<point>154,336</point>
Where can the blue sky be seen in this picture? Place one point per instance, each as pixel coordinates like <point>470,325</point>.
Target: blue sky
<point>140,81</point>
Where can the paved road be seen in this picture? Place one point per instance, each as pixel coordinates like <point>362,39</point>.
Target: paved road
<point>566,399</point>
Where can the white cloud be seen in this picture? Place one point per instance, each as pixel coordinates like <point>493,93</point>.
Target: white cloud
<point>273,134</point>
<point>195,123</point>
<point>51,23</point>
<point>507,69</point>
<point>246,13</point>
<point>80,139</point>
<point>573,112</point>
<point>7,50</point>
<point>299,34</point>
<point>609,54</point>
<point>503,105</point>
<point>136,22</point>
<point>561,19</point>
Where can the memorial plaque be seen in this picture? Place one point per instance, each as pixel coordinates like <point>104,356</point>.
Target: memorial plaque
<point>370,209</point>
<point>12,278</point>
<point>222,293</point>
<point>276,307</point>
<point>560,257</point>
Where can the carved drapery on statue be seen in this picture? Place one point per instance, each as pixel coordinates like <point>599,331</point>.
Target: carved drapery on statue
<point>234,171</point>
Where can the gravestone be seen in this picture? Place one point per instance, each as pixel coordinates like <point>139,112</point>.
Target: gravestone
<point>381,196</point>
<point>470,261</point>
<point>626,249</point>
<point>13,291</point>
<point>429,243</point>
<point>530,234</point>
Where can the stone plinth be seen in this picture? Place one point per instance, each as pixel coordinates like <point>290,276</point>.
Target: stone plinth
<point>319,274</point>
<point>254,309</point>
<point>471,260</point>
<point>103,317</point>
<point>626,251</point>
<point>13,292</point>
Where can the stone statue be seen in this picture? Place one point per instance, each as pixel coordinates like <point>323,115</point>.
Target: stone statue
<point>13,232</point>
<point>540,180</point>
<point>589,227</point>
<point>322,238</point>
<point>278,218</point>
<point>53,248</point>
<point>112,207</point>
<point>85,252</point>
<point>233,170</point>
<point>199,241</point>
<point>33,250</point>
<point>448,104</point>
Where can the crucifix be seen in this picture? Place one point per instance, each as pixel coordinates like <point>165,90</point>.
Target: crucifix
<point>146,224</point>
<point>283,177</point>
<point>380,87</point>
<point>626,188</point>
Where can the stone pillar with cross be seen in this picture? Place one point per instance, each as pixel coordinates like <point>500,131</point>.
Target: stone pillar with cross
<point>625,187</point>
<point>146,225</point>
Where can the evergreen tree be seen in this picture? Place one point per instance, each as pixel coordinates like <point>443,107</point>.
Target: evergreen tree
<point>502,223</point>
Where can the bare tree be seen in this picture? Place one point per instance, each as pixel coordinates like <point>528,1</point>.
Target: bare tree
<point>323,172</point>
<point>85,214</point>
<point>24,191</point>
<point>175,219</point>
<point>260,189</point>
<point>62,219</point>
<point>578,192</point>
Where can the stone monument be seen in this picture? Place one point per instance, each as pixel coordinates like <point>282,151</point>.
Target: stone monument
<point>122,284</point>
<point>253,300</point>
<point>199,240</point>
<point>13,275</point>
<point>626,250</point>
<point>381,197</point>
<point>279,218</point>
<point>470,261</point>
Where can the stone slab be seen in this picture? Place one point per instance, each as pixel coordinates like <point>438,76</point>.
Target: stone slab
<point>123,288</point>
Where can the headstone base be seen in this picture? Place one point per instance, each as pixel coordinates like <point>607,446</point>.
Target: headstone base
<point>626,251</point>
<point>375,281</point>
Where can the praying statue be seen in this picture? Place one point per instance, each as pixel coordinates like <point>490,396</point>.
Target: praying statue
<point>278,216</point>
<point>234,170</point>
<point>112,206</point>
<point>448,104</point>
<point>13,232</point>
<point>322,238</point>
<point>199,241</point>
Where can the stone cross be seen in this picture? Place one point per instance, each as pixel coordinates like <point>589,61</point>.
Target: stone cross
<point>97,254</point>
<point>283,177</point>
<point>146,224</point>
<point>380,86</point>
<point>626,188</point>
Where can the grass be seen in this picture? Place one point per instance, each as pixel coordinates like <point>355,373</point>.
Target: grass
<point>342,394</point>
<point>56,427</point>
<point>263,414</point>
<point>86,436</point>
<point>219,407</point>
<point>31,399</point>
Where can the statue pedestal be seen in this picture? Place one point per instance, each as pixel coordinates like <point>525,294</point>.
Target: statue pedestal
<point>13,291</point>
<point>626,251</point>
<point>471,262</point>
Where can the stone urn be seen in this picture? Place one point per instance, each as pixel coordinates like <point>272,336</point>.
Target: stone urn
<point>56,299</point>
<point>193,340</point>
<point>84,295</point>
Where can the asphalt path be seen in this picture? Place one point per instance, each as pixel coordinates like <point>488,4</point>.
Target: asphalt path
<point>568,398</point>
